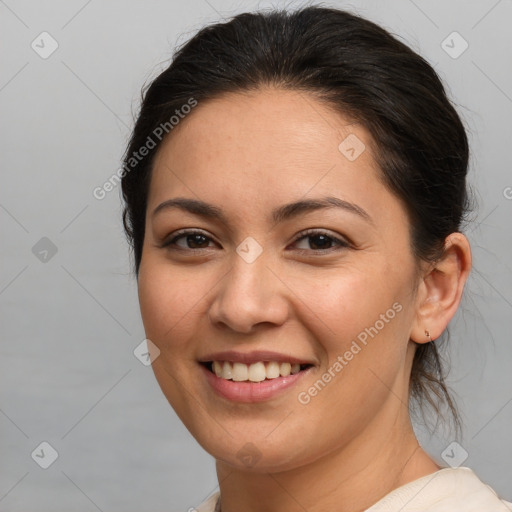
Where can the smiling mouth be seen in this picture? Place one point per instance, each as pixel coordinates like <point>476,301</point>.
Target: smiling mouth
<point>255,372</point>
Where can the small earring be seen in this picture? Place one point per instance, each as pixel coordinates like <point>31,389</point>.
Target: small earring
<point>427,334</point>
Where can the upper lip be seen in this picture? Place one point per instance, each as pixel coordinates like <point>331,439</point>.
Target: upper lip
<point>252,357</point>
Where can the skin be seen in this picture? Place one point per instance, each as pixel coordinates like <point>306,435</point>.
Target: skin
<point>353,442</point>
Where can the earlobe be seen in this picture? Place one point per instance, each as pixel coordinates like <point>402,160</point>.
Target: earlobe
<point>441,288</point>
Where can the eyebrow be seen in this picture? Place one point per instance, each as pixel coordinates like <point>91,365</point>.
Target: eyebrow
<point>279,214</point>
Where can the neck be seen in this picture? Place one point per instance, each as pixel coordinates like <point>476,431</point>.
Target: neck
<point>385,456</point>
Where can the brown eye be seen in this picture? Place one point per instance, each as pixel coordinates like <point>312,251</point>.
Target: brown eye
<point>317,241</point>
<point>192,240</point>
<point>320,241</point>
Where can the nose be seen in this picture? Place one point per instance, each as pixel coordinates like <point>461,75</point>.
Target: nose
<point>249,295</point>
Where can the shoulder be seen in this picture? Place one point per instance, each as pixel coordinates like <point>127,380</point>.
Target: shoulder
<point>445,490</point>
<point>208,505</point>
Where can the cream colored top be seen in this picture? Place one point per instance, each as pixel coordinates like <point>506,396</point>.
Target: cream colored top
<point>446,490</point>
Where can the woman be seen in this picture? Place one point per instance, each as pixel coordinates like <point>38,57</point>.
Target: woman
<point>294,189</point>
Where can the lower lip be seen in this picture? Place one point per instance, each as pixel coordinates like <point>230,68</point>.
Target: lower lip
<point>251,391</point>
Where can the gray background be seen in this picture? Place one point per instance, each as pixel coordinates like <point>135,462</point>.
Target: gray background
<point>70,322</point>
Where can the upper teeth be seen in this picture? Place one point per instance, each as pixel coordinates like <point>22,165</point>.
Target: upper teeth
<point>255,372</point>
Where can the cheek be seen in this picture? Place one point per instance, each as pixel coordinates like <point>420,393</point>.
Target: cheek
<point>348,302</point>
<point>360,324</point>
<point>169,304</point>
<point>167,299</point>
<point>174,303</point>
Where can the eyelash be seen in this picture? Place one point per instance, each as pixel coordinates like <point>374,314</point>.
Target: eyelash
<point>309,233</point>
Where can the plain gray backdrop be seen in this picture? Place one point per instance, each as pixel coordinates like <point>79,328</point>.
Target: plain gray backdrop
<point>69,312</point>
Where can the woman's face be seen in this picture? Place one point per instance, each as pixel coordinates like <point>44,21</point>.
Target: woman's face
<point>249,286</point>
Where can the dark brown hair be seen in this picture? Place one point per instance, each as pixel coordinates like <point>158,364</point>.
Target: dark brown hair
<point>361,71</point>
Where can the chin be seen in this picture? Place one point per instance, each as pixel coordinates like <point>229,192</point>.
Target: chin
<point>247,449</point>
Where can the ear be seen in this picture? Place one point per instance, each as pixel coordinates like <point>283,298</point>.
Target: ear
<point>440,290</point>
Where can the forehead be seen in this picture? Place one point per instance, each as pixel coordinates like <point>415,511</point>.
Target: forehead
<point>266,122</point>
<point>262,147</point>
